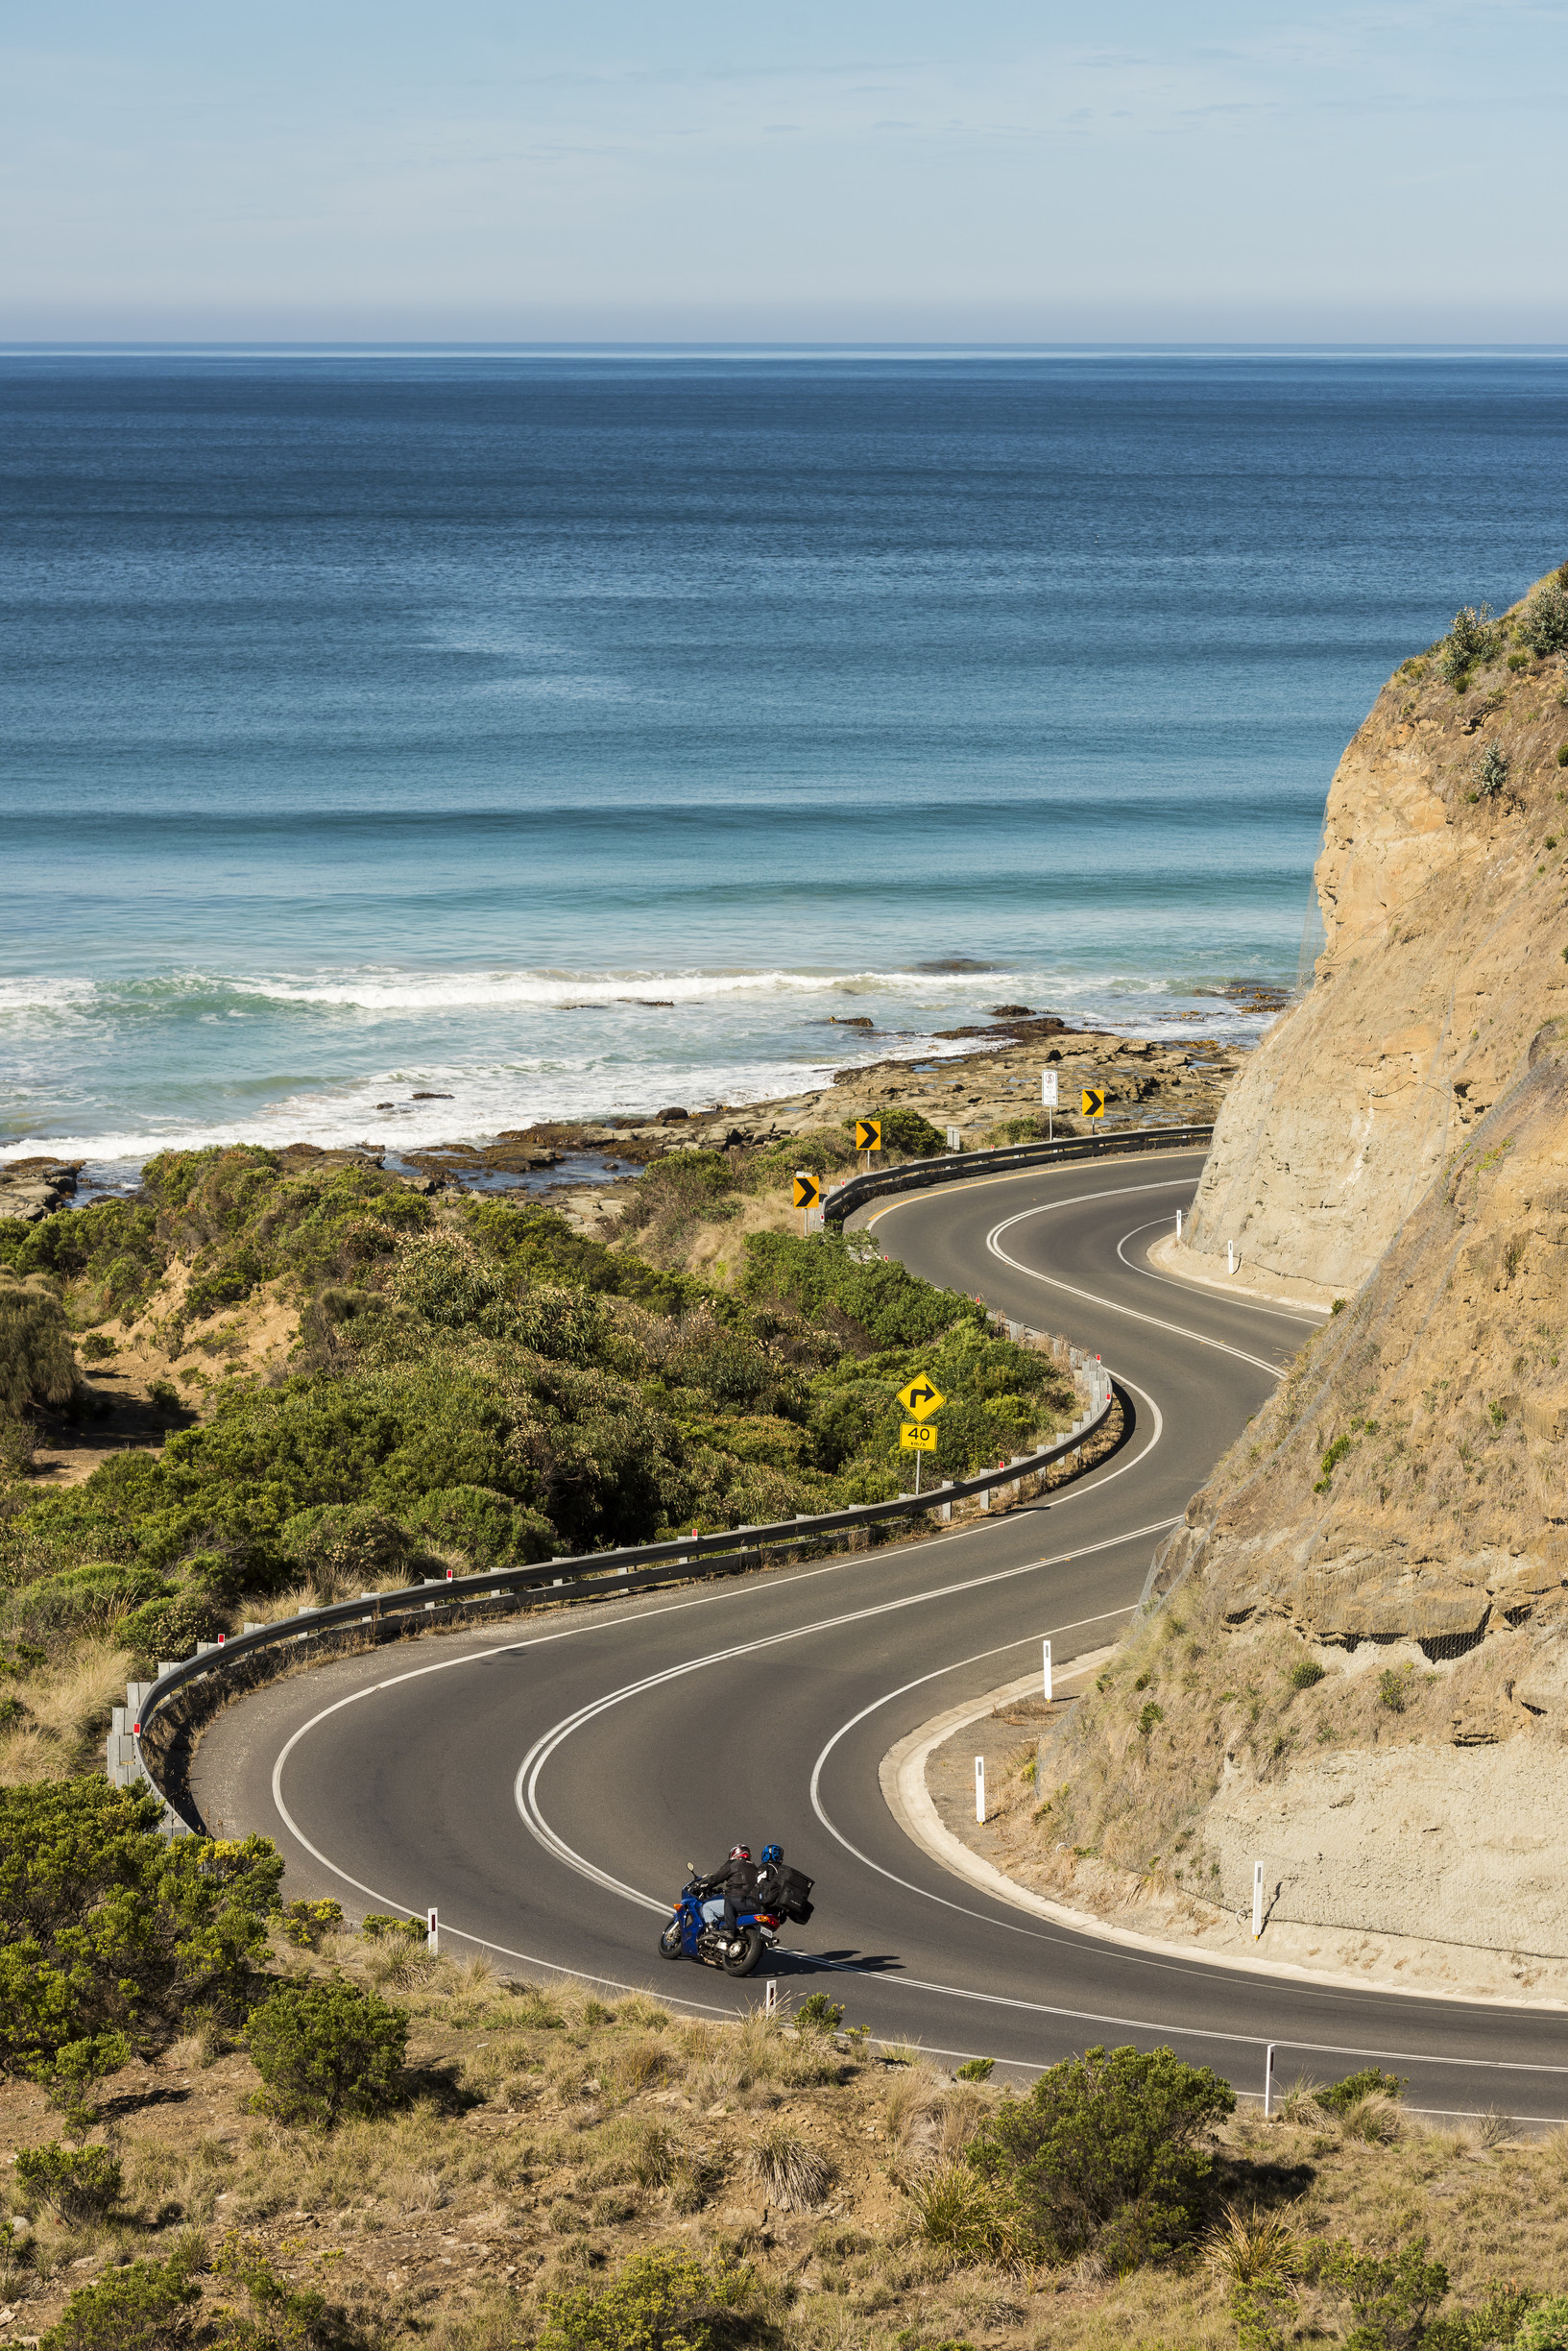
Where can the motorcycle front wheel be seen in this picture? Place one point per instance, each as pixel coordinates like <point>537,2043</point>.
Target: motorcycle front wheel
<point>747,1956</point>
<point>669,1942</point>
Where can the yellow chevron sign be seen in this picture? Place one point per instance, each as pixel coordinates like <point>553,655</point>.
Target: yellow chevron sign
<point>1093,1101</point>
<point>807,1190</point>
<point>868,1134</point>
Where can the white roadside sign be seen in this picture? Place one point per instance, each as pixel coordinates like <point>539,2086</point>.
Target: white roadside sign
<point>1048,1089</point>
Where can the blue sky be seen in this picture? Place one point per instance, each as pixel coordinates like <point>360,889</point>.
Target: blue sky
<point>861,171</point>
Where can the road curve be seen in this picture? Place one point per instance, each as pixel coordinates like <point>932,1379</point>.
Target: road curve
<point>543,1787</point>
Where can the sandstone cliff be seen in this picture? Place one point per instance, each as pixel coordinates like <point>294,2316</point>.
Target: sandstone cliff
<point>1445,905</point>
<point>1359,1674</point>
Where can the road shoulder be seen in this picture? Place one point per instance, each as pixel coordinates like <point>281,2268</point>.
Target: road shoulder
<point>920,1783</point>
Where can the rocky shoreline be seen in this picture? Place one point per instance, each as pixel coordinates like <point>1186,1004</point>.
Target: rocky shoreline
<point>579,1165</point>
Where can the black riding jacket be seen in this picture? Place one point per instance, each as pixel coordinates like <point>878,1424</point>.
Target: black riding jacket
<point>737,1879</point>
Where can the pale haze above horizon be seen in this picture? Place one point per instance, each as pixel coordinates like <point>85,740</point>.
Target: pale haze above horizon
<point>1370,173</point>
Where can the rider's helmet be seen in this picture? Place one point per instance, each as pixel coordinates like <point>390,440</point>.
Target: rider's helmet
<point>740,1853</point>
<point>771,1854</point>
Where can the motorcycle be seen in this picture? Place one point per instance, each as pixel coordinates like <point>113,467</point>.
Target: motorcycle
<point>691,1936</point>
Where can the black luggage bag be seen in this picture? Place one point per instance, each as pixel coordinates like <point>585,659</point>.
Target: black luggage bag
<point>787,1893</point>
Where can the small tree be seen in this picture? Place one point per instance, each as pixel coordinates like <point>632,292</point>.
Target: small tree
<point>324,2051</point>
<point>1107,2152</point>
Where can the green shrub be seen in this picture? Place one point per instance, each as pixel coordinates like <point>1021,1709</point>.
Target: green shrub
<point>1392,1688</point>
<point>1370,2082</point>
<point>665,2300</point>
<point>1562,755</point>
<point>382,1927</point>
<point>282,2317</point>
<point>72,2073</point>
<point>1544,622</point>
<point>1543,2328</point>
<point>306,1925</point>
<point>905,1130</point>
<point>349,1543</point>
<point>324,2051</point>
<point>95,1347</point>
<point>1106,2152</point>
<point>893,1306</point>
<point>144,2308</point>
<point>1389,2299</point>
<point>976,2070</point>
<point>38,1362</point>
<point>540,1244</point>
<point>1148,1717</point>
<point>106,1927</point>
<point>171,1628</point>
<point>87,1599</point>
<point>165,1396</point>
<point>1490,771</point>
<point>817,2013</point>
<point>79,2183</point>
<point>1306,1673</point>
<point>1518,661</point>
<point>489,1529</point>
<point>1474,637</point>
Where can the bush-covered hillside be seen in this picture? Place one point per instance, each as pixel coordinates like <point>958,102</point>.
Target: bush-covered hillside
<point>474,1380</point>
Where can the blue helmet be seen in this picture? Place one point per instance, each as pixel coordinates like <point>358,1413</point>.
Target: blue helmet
<point>772,1853</point>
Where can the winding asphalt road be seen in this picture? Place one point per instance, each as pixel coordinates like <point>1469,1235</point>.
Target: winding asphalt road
<point>542,1786</point>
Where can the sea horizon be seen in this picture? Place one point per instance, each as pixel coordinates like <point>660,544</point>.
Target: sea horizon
<point>566,732</point>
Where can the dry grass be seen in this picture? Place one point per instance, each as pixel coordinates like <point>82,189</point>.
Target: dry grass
<point>792,2172</point>
<point>552,2134</point>
<point>68,1706</point>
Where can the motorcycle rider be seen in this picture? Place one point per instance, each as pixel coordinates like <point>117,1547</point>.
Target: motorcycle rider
<point>769,1864</point>
<point>738,1882</point>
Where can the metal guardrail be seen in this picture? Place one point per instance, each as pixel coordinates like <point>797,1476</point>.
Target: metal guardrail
<point>600,1575</point>
<point>636,1567</point>
<point>949,1167</point>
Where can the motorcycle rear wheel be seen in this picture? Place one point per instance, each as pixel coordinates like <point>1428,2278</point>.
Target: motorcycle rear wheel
<point>745,1959</point>
<point>669,1942</point>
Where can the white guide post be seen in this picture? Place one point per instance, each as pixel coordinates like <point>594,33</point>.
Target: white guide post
<point>1257,1900</point>
<point>770,1996</point>
<point>979,1788</point>
<point>1178,1224</point>
<point>1047,1674</point>
<point>1230,1256</point>
<point>1048,1101</point>
<point>432,1931</point>
<point>1268,2081</point>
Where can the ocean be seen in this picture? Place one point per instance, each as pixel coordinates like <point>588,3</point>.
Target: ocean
<point>564,735</point>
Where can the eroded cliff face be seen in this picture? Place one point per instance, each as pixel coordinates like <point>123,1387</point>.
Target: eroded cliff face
<point>1359,1674</point>
<point>1446,915</point>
